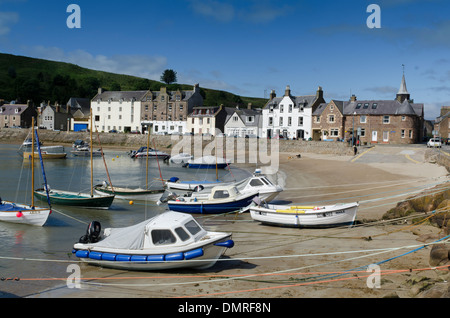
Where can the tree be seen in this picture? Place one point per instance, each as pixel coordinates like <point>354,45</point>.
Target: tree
<point>169,77</point>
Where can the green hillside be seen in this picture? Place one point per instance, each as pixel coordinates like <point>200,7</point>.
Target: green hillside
<point>24,78</point>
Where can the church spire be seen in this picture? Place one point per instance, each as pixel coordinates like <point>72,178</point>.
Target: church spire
<point>403,94</point>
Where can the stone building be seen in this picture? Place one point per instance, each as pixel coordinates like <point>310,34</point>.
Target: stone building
<point>398,121</point>
<point>442,123</point>
<point>243,122</point>
<point>17,115</point>
<point>166,112</point>
<point>206,119</point>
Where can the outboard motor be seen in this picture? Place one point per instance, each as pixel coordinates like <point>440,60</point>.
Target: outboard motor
<point>92,233</point>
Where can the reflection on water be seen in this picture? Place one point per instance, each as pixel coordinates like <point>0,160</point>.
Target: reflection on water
<point>66,225</point>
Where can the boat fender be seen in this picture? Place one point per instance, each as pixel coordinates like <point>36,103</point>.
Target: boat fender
<point>193,254</point>
<point>109,257</point>
<point>82,254</point>
<point>96,255</point>
<point>174,257</point>
<point>155,258</point>
<point>228,244</point>
<point>138,258</point>
<point>123,258</point>
<point>173,179</point>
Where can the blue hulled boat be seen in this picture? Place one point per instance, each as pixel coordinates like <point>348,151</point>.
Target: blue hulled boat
<point>221,199</point>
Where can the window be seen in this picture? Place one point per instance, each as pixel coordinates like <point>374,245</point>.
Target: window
<point>362,119</point>
<point>331,107</point>
<point>403,133</point>
<point>97,118</point>
<point>358,106</point>
<point>289,121</point>
<point>235,118</point>
<point>317,119</point>
<point>386,119</point>
<point>331,118</point>
<point>366,105</point>
<point>363,132</point>
<point>410,134</point>
<point>270,120</point>
<point>192,227</point>
<point>403,118</point>
<point>221,194</point>
<point>182,234</point>
<point>374,106</point>
<point>334,132</point>
<point>163,237</point>
<point>300,121</point>
<point>250,119</point>
<point>281,121</point>
<point>256,183</point>
<point>281,108</point>
<point>290,108</point>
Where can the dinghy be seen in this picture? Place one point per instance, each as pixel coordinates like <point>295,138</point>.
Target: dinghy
<point>167,241</point>
<point>305,216</point>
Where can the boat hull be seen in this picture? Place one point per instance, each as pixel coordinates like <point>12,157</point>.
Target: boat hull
<point>23,214</point>
<point>75,199</point>
<point>211,207</point>
<point>197,256</point>
<point>306,217</point>
<point>130,194</point>
<point>27,155</point>
<point>207,166</point>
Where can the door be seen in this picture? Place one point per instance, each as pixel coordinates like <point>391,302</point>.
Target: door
<point>385,136</point>
<point>374,136</point>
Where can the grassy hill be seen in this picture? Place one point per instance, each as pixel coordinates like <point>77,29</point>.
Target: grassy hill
<point>25,78</point>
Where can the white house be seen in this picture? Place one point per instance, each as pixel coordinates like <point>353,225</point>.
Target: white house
<point>290,116</point>
<point>120,111</point>
<point>243,122</point>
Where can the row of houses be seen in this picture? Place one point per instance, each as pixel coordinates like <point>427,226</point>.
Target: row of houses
<point>308,117</point>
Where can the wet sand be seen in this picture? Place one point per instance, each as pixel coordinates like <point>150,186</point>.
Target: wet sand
<point>274,262</point>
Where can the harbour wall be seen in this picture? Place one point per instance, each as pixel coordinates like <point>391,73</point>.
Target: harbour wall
<point>133,142</point>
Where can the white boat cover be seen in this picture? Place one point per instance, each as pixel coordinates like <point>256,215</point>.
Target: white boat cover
<point>131,238</point>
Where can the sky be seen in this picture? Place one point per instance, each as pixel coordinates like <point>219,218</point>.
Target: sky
<point>249,47</point>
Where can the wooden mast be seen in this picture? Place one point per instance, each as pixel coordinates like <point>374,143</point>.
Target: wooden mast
<point>92,175</point>
<point>32,162</point>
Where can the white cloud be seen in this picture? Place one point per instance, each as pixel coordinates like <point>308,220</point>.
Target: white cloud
<point>222,12</point>
<point>6,20</point>
<point>149,67</point>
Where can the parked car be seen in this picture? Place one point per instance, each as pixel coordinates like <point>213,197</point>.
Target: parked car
<point>434,142</point>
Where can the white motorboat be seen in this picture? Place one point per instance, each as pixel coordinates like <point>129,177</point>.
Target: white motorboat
<point>151,153</point>
<point>167,241</point>
<point>305,216</point>
<point>258,182</point>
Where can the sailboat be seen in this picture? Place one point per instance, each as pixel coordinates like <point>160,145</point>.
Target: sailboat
<point>83,200</point>
<point>23,213</point>
<point>133,193</point>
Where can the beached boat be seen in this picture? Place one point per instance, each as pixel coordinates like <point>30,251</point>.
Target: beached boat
<point>69,198</point>
<point>221,199</point>
<point>208,162</point>
<point>305,216</point>
<point>51,152</point>
<point>167,241</point>
<point>151,154</point>
<point>258,182</point>
<point>24,213</point>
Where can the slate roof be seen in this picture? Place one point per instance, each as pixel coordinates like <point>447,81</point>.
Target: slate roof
<point>121,95</point>
<point>11,109</point>
<point>375,107</point>
<point>304,101</point>
<point>243,113</point>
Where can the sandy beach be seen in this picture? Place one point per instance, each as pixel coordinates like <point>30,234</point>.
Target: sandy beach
<point>274,262</point>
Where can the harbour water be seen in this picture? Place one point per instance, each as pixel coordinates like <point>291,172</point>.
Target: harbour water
<point>34,252</point>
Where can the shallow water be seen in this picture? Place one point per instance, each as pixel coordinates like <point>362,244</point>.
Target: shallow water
<point>28,251</point>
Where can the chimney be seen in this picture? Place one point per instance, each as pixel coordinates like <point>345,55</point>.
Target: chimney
<point>288,91</point>
<point>249,106</point>
<point>319,93</point>
<point>353,98</point>
<point>100,91</point>
<point>272,94</point>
